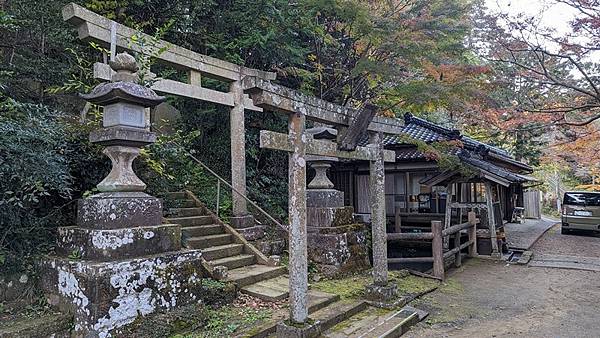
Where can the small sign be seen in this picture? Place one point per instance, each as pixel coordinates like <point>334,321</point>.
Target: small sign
<point>582,213</point>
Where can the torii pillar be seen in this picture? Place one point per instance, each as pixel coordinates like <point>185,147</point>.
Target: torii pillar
<point>241,219</point>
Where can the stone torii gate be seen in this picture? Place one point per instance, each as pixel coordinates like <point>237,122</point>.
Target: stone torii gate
<point>299,144</point>
<point>245,83</point>
<point>108,33</point>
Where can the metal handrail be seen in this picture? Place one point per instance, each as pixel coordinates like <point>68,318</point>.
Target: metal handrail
<point>220,179</point>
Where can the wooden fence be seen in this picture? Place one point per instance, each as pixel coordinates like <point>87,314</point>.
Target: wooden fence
<point>532,204</point>
<point>437,236</point>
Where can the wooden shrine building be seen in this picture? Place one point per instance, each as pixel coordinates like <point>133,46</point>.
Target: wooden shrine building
<point>418,190</point>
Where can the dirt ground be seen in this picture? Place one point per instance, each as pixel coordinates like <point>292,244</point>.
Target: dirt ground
<point>493,299</point>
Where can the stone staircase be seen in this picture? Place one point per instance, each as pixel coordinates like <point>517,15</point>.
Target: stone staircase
<point>223,246</point>
<point>258,276</point>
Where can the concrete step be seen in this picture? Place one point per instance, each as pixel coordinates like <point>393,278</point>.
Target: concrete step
<point>186,212</point>
<point>317,300</point>
<point>208,241</point>
<point>176,195</point>
<point>338,312</point>
<point>374,322</point>
<point>216,252</point>
<point>234,262</point>
<point>254,273</point>
<point>192,220</point>
<point>273,289</point>
<point>203,230</point>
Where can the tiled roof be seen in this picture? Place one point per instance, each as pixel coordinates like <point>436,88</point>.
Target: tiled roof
<point>477,162</point>
<point>423,130</point>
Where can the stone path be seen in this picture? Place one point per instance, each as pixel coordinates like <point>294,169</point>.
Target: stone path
<point>523,236</point>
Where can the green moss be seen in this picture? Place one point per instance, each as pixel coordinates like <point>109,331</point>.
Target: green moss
<point>353,287</point>
<point>227,321</point>
<point>416,285</point>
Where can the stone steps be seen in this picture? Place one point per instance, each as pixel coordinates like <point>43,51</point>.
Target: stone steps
<point>317,301</point>
<point>203,242</point>
<point>186,212</point>
<point>374,322</point>
<point>254,273</point>
<point>218,248</point>
<point>234,262</point>
<point>273,289</point>
<point>216,252</point>
<point>202,230</point>
<point>191,220</point>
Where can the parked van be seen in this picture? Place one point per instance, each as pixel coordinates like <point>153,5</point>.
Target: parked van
<point>580,211</point>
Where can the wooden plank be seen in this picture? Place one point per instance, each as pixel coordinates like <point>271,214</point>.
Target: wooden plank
<point>408,236</point>
<point>410,260</point>
<point>94,27</point>
<point>359,124</point>
<point>279,141</point>
<point>456,228</point>
<point>491,219</point>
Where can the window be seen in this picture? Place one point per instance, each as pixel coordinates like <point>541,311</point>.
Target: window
<point>582,199</point>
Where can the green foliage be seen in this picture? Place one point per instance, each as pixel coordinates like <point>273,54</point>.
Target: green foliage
<point>34,169</point>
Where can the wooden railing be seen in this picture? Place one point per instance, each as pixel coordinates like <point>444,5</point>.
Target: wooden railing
<point>437,236</point>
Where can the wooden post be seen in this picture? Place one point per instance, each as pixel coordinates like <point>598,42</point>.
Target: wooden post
<point>397,218</point>
<point>437,249</point>
<point>298,264</point>
<point>448,214</point>
<point>472,234</point>
<point>491,219</point>
<point>457,256</point>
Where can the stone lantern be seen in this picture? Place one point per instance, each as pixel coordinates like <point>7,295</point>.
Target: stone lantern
<point>337,243</point>
<point>120,261</point>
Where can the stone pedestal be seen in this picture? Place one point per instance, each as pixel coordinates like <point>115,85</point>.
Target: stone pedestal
<point>247,227</point>
<point>383,296</point>
<point>306,330</point>
<point>337,244</point>
<point>120,262</point>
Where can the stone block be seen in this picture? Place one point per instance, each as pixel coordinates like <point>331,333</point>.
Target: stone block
<point>119,210</point>
<point>338,254</point>
<point>329,216</point>
<point>112,244</point>
<point>306,330</point>
<point>321,198</point>
<point>124,114</point>
<point>123,136</point>
<point>105,296</point>
<point>240,222</point>
<point>271,247</point>
<point>253,233</point>
<point>381,293</point>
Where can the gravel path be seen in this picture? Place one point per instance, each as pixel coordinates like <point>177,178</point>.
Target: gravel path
<point>584,244</point>
<point>493,299</point>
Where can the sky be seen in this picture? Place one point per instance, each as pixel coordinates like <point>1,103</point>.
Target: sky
<point>556,16</point>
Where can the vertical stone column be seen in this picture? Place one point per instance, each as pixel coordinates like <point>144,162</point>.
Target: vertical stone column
<point>380,291</point>
<point>240,218</point>
<point>298,265</point>
<point>378,218</point>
